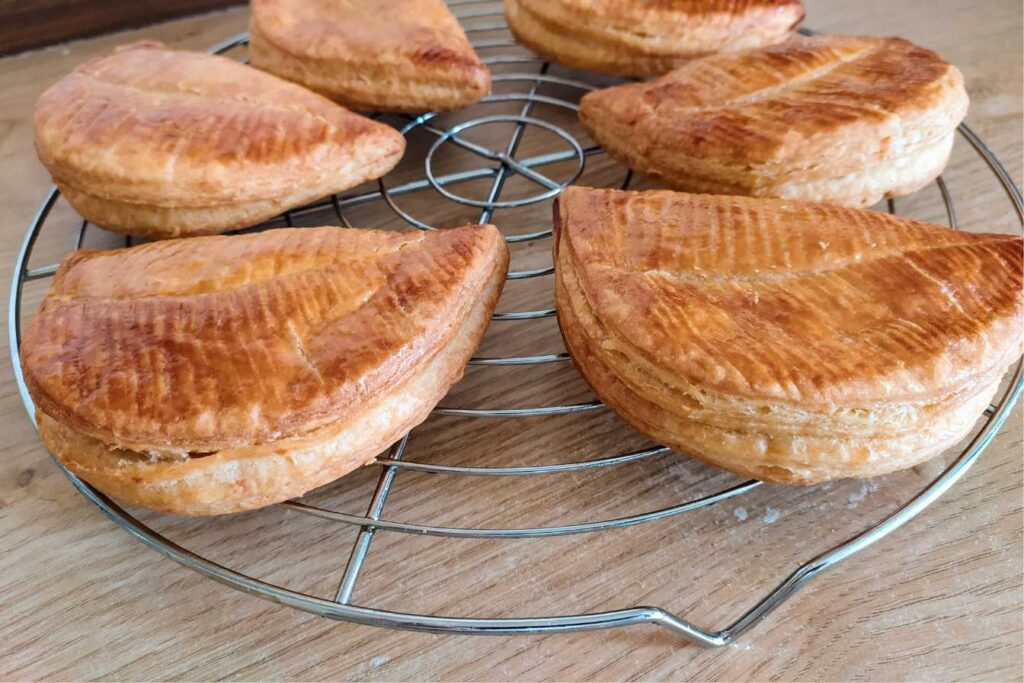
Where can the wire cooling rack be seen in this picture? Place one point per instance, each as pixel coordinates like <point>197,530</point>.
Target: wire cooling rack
<point>527,84</point>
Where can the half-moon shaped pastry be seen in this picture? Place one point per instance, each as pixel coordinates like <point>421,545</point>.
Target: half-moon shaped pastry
<point>647,37</point>
<point>787,341</point>
<point>831,118</point>
<point>218,374</point>
<point>162,143</point>
<point>386,55</point>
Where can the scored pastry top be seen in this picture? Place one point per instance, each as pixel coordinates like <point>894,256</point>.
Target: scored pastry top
<point>150,125</point>
<point>799,302</point>
<point>856,97</point>
<point>216,342</point>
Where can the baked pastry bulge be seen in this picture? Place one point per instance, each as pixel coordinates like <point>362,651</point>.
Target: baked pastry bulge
<point>163,143</point>
<point>647,37</point>
<point>219,374</point>
<point>844,119</point>
<point>786,341</point>
<point>386,55</point>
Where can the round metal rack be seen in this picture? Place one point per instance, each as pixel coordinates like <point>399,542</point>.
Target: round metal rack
<point>479,17</point>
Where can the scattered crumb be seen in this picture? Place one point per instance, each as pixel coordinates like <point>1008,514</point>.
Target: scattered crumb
<point>379,661</point>
<point>856,497</point>
<point>823,244</point>
<point>740,513</point>
<point>770,516</point>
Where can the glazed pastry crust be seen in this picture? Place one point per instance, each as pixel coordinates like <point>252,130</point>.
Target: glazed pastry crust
<point>162,143</point>
<point>786,341</point>
<point>646,37</point>
<point>845,119</point>
<point>394,55</point>
<point>224,373</point>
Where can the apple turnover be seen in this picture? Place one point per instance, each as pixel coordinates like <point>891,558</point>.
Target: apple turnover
<point>387,55</point>
<point>218,374</point>
<point>787,341</point>
<point>647,37</point>
<point>163,143</point>
<point>844,119</point>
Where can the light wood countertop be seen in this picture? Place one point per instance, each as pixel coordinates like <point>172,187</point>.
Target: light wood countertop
<point>941,599</point>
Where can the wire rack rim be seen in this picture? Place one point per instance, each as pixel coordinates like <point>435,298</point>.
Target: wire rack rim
<point>996,417</point>
<point>575,622</point>
<point>521,532</point>
<point>526,469</point>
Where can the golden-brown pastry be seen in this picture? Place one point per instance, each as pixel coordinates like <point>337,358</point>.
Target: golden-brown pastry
<point>647,37</point>
<point>386,55</point>
<point>162,143</point>
<point>787,341</point>
<point>829,118</point>
<point>218,374</point>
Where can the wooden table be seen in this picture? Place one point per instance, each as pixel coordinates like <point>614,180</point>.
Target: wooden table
<point>941,599</point>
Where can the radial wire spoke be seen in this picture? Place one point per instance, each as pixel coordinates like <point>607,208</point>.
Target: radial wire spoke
<point>365,538</point>
<point>513,145</point>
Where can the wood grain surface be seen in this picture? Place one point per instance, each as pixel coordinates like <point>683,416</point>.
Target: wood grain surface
<point>939,600</point>
<point>26,25</point>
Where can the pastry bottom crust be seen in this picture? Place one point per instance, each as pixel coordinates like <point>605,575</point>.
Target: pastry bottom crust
<point>251,477</point>
<point>167,222</point>
<point>862,188</point>
<point>782,455</point>
<point>884,180</point>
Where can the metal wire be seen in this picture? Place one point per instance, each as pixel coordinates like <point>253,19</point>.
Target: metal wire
<point>503,165</point>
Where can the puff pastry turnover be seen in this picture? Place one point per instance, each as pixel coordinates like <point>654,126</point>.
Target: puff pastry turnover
<point>787,341</point>
<point>161,143</point>
<point>387,55</point>
<point>219,374</point>
<point>647,37</point>
<point>829,118</point>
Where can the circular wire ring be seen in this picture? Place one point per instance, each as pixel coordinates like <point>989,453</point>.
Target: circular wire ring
<point>506,160</point>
